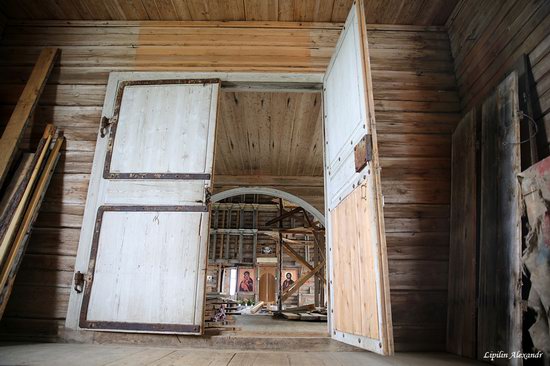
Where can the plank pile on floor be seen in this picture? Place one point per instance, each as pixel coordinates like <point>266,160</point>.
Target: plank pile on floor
<point>219,312</point>
<point>306,313</point>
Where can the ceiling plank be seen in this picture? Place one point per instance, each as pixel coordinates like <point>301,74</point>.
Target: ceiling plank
<point>403,12</point>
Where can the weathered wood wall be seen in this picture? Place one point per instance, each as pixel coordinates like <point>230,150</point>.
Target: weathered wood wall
<point>487,39</point>
<point>416,109</point>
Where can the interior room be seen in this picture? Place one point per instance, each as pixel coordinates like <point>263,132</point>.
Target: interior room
<point>267,135</point>
<point>243,182</point>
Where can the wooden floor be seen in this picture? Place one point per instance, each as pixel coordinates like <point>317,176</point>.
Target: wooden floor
<point>261,325</point>
<point>46,354</point>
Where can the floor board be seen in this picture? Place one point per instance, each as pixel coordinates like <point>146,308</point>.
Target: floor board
<point>111,355</point>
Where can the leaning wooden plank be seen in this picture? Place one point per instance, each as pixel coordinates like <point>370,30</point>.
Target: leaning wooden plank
<point>11,266</point>
<point>24,109</point>
<point>500,225</point>
<point>461,308</point>
<point>256,307</point>
<point>301,281</point>
<point>25,166</point>
<point>14,213</point>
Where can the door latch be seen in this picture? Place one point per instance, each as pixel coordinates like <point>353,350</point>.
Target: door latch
<point>105,124</point>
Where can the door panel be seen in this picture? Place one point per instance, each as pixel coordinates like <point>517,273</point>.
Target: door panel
<point>146,219</point>
<point>164,137</point>
<point>359,286</point>
<point>355,291</point>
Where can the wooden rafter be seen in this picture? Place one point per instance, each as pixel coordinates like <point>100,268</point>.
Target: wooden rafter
<point>284,215</point>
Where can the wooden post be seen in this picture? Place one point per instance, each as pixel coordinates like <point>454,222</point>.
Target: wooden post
<point>280,261</point>
<point>228,236</point>
<point>25,107</point>
<point>255,237</point>
<point>214,236</point>
<point>241,226</point>
<point>317,283</point>
<point>222,237</point>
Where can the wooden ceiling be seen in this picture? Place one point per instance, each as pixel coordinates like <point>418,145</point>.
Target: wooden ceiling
<point>419,12</point>
<point>269,133</point>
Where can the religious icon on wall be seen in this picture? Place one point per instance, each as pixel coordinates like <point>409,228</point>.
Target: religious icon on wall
<point>246,279</point>
<point>290,275</point>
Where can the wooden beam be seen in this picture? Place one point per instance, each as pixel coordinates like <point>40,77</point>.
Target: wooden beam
<point>297,256</point>
<point>301,281</point>
<point>300,259</point>
<point>283,216</point>
<point>24,109</point>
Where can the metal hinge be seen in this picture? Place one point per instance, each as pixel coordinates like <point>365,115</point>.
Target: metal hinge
<point>79,280</point>
<point>207,196</point>
<point>363,152</point>
<point>105,124</point>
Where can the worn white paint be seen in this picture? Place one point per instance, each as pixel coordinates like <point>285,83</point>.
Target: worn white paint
<point>171,246</point>
<point>158,133</point>
<point>347,120</point>
<point>147,268</point>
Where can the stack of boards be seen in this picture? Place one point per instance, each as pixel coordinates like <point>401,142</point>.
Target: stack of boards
<point>306,313</point>
<point>21,201</point>
<point>214,302</point>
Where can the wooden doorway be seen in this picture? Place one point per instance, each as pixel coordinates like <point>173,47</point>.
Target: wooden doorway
<point>268,284</point>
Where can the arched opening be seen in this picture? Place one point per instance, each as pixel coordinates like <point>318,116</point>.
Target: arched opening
<point>271,192</point>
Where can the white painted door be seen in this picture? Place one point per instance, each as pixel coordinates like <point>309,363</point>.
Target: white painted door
<point>143,244</point>
<point>360,312</point>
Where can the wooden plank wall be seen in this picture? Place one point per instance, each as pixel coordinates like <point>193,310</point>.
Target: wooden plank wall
<point>417,109</point>
<point>487,39</point>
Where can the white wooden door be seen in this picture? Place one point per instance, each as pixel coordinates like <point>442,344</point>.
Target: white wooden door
<point>360,312</point>
<point>146,220</point>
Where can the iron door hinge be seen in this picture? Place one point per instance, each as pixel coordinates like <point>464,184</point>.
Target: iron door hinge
<point>105,124</point>
<point>207,196</point>
<point>79,280</point>
<point>363,152</point>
